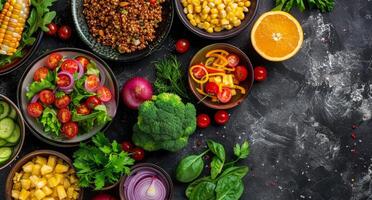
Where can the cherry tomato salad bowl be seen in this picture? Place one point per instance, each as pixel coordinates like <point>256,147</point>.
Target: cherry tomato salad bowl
<point>220,75</point>
<point>67,95</point>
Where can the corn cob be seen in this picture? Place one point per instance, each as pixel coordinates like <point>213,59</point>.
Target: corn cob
<point>12,22</point>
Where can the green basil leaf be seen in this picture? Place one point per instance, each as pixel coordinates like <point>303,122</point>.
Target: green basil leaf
<point>216,167</point>
<point>189,168</point>
<point>229,188</point>
<point>203,191</point>
<point>217,149</point>
<point>239,171</point>
<point>192,185</point>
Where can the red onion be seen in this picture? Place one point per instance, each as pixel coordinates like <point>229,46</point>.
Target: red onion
<point>145,185</point>
<point>80,70</point>
<point>111,107</point>
<point>103,78</point>
<point>135,91</point>
<point>35,98</point>
<point>71,85</point>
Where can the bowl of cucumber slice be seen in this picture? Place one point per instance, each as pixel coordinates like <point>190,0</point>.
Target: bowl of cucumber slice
<point>12,131</point>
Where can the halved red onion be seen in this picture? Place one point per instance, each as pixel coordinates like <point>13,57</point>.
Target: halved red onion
<point>35,98</point>
<point>71,85</point>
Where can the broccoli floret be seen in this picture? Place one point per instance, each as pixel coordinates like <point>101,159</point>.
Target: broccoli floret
<point>165,122</point>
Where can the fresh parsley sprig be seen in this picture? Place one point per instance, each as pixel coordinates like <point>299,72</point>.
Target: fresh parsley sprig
<point>287,5</point>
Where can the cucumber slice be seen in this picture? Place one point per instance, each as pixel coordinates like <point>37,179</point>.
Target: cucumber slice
<point>3,142</point>
<point>5,152</point>
<point>4,109</point>
<point>13,113</point>
<point>6,127</point>
<point>14,137</point>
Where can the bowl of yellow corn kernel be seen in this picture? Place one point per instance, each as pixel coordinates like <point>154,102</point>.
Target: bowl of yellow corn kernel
<point>43,174</point>
<point>216,19</point>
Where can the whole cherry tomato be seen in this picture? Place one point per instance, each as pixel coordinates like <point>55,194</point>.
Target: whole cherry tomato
<point>46,97</point>
<point>153,2</point>
<point>182,45</point>
<point>35,109</point>
<point>138,154</point>
<point>92,102</point>
<point>260,73</point>
<point>64,32</point>
<point>221,117</point>
<point>203,120</point>
<point>53,28</point>
<point>41,73</point>
<point>127,146</point>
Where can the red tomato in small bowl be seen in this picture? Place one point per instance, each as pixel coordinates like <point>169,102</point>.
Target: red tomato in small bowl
<point>62,102</point>
<point>35,109</point>
<point>70,66</point>
<point>53,60</point>
<point>83,110</point>
<point>241,73</point>
<point>199,72</point>
<point>92,102</point>
<point>84,61</point>
<point>233,60</point>
<point>104,94</point>
<point>182,45</point>
<point>211,88</point>
<point>224,95</point>
<point>46,97</point>
<point>92,83</point>
<point>41,73</point>
<point>221,117</point>
<point>64,115</point>
<point>70,129</point>
<point>63,80</point>
<point>203,120</point>
<point>260,73</point>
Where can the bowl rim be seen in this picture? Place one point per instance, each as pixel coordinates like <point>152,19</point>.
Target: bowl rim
<point>71,49</point>
<point>201,33</point>
<point>230,104</point>
<point>23,131</point>
<point>26,57</point>
<point>152,165</point>
<point>24,159</point>
<point>129,59</point>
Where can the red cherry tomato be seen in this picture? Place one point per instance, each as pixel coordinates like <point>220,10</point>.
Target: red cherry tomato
<point>104,94</point>
<point>62,102</point>
<point>126,146</point>
<point>92,102</point>
<point>241,73</point>
<point>199,72</point>
<point>233,60</point>
<point>153,2</point>
<point>221,117</point>
<point>63,80</point>
<point>224,95</point>
<point>83,110</point>
<point>260,73</point>
<point>41,73</point>
<point>53,28</point>
<point>203,120</point>
<point>83,60</point>
<point>92,83</point>
<point>70,129</point>
<point>138,154</point>
<point>46,97</point>
<point>64,115</point>
<point>53,60</point>
<point>64,32</point>
<point>70,66</point>
<point>211,88</point>
<point>35,109</point>
<point>182,45</point>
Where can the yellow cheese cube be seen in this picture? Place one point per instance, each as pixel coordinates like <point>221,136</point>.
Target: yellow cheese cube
<point>61,192</point>
<point>39,194</point>
<point>24,194</point>
<point>47,190</point>
<point>61,168</point>
<point>46,169</point>
<point>28,167</point>
<point>52,160</point>
<point>41,160</point>
<point>26,184</point>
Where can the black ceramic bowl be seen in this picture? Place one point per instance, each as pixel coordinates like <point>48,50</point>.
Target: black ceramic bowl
<point>36,127</point>
<point>28,52</point>
<point>218,35</point>
<point>113,54</point>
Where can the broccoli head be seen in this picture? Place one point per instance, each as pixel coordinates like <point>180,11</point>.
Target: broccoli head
<point>165,122</point>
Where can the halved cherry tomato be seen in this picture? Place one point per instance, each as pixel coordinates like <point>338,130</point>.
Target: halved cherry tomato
<point>41,73</point>
<point>84,61</point>
<point>211,88</point>
<point>104,94</point>
<point>63,80</point>
<point>92,102</point>
<point>92,83</point>
<point>233,60</point>
<point>64,115</point>
<point>203,120</point>
<point>138,154</point>
<point>224,95</point>
<point>126,146</point>
<point>70,129</point>
<point>83,110</point>
<point>70,66</point>
<point>241,73</point>
<point>221,117</point>
<point>46,97</point>
<point>53,60</point>
<point>199,72</point>
<point>35,109</point>
<point>62,102</point>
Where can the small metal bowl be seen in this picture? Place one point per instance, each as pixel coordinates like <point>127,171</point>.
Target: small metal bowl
<point>24,160</point>
<point>21,123</point>
<point>29,51</point>
<point>110,53</point>
<point>217,35</point>
<point>199,57</point>
<point>35,126</point>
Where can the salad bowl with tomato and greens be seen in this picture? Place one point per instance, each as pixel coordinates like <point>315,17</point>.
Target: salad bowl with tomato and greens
<point>67,96</point>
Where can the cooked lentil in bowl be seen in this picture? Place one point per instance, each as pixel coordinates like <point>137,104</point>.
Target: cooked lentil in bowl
<point>127,26</point>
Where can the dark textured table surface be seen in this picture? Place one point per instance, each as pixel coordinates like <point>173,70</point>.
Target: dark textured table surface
<point>299,121</point>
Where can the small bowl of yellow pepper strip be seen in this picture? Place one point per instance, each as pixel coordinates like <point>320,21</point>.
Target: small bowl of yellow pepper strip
<point>216,19</point>
<point>220,76</point>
